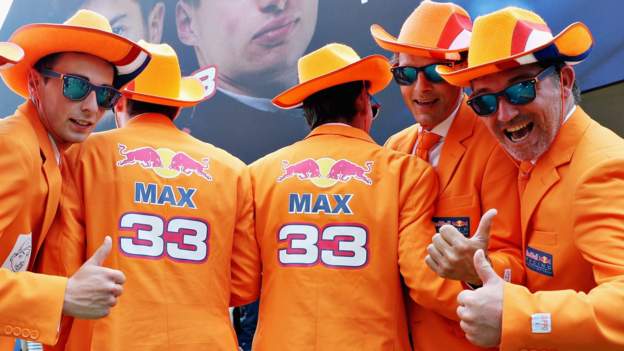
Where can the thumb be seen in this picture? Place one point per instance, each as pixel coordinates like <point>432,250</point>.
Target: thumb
<point>484,268</point>
<point>483,231</point>
<point>101,253</point>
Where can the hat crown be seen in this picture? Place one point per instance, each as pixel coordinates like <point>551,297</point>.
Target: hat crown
<point>325,60</point>
<point>505,33</point>
<point>89,19</point>
<point>162,76</point>
<point>437,25</point>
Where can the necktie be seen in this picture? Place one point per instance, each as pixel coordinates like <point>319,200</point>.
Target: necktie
<point>425,141</point>
<point>523,176</point>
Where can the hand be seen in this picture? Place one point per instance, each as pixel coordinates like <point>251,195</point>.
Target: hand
<point>93,289</point>
<point>451,253</point>
<point>481,311</point>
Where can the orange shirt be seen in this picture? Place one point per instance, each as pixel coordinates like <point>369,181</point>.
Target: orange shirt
<point>175,207</point>
<point>475,175</point>
<point>31,304</point>
<point>573,242</point>
<point>337,220</point>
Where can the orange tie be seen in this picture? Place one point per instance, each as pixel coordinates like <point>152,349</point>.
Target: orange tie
<point>523,176</point>
<point>425,141</point>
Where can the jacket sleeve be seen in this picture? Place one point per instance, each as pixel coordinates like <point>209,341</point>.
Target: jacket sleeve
<point>499,190</point>
<point>246,266</point>
<point>31,304</point>
<point>591,320</point>
<point>418,193</point>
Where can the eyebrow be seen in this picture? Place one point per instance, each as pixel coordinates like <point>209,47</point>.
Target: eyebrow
<point>118,18</point>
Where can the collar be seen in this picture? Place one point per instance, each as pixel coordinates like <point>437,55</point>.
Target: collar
<point>29,111</point>
<point>262,104</point>
<point>443,127</point>
<point>565,119</point>
<point>150,118</point>
<point>342,130</point>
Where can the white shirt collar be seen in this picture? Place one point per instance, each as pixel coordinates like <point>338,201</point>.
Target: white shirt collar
<point>443,127</point>
<point>57,153</point>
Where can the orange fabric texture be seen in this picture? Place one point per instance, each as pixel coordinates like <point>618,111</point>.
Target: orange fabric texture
<point>30,190</point>
<point>425,141</point>
<point>475,175</point>
<point>178,210</point>
<point>338,221</point>
<point>573,230</point>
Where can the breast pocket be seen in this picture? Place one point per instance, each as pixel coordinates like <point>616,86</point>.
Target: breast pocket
<point>460,211</point>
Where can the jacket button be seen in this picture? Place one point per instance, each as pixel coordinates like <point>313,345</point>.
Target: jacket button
<point>8,329</point>
<point>17,331</point>
<point>34,334</point>
<point>25,333</point>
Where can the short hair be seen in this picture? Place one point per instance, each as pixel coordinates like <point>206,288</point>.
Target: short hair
<point>146,7</point>
<point>576,90</point>
<point>334,104</point>
<point>48,62</point>
<point>136,108</point>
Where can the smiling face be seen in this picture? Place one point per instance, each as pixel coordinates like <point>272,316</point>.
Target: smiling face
<point>525,131</point>
<point>66,120</point>
<point>430,103</point>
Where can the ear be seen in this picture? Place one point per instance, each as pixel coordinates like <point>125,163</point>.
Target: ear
<point>155,22</point>
<point>35,84</point>
<point>121,112</point>
<point>185,23</point>
<point>567,76</point>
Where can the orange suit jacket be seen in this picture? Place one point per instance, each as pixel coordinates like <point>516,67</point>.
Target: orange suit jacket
<point>176,208</point>
<point>475,175</point>
<point>337,220</point>
<point>573,240</point>
<point>31,304</point>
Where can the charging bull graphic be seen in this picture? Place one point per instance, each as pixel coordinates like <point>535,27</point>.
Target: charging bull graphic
<point>345,170</point>
<point>187,165</point>
<point>147,157</point>
<point>305,169</point>
<point>325,172</point>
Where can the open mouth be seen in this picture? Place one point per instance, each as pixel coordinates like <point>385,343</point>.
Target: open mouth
<point>81,123</point>
<point>425,102</point>
<point>518,133</point>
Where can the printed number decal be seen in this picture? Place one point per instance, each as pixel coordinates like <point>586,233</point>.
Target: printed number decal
<point>339,245</point>
<point>207,76</point>
<point>185,239</point>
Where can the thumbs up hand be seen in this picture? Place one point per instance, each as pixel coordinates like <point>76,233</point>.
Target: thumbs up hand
<point>481,311</point>
<point>93,289</point>
<point>451,254</point>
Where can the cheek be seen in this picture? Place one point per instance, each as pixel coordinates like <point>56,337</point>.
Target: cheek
<point>406,93</point>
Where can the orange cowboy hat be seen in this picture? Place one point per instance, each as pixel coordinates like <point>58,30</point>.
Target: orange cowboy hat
<point>10,54</point>
<point>512,37</point>
<point>85,32</point>
<point>332,65</point>
<point>436,30</point>
<point>161,82</point>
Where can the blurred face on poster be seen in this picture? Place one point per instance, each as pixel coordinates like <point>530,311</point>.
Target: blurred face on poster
<point>133,19</point>
<point>255,44</point>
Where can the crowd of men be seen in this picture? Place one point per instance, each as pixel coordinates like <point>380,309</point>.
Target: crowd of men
<point>496,221</point>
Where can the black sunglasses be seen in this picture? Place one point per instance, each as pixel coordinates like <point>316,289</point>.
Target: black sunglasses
<point>77,88</point>
<point>407,75</point>
<point>375,106</point>
<point>520,93</point>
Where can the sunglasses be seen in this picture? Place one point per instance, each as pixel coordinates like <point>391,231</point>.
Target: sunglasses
<point>77,88</point>
<point>520,93</point>
<point>375,106</point>
<point>407,75</point>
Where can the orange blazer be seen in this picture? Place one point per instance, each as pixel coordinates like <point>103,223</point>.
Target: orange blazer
<point>337,218</point>
<point>573,240</point>
<point>177,209</point>
<point>475,175</point>
<point>31,304</point>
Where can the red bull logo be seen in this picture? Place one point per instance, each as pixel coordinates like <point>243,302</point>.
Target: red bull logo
<point>325,172</point>
<point>164,162</point>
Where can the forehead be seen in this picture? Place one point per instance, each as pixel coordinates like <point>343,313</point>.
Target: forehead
<point>500,80</point>
<point>91,67</point>
<point>418,61</point>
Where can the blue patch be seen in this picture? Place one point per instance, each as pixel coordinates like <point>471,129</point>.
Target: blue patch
<point>461,223</point>
<point>539,261</point>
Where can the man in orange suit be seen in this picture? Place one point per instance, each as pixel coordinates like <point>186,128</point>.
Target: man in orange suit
<point>475,173</point>
<point>69,74</point>
<point>571,185</point>
<point>175,207</point>
<point>338,217</point>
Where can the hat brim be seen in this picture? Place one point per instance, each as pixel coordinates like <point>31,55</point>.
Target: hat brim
<point>374,69</point>
<point>571,46</point>
<point>191,93</point>
<point>42,39</point>
<point>389,42</point>
<point>10,54</point>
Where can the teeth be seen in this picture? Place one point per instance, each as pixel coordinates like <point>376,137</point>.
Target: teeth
<point>82,123</point>
<point>517,128</point>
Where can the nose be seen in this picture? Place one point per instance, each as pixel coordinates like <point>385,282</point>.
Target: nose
<point>89,105</point>
<point>422,84</point>
<point>272,5</point>
<point>506,111</point>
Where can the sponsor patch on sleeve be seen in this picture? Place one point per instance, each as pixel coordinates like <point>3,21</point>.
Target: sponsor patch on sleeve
<point>461,223</point>
<point>541,323</point>
<point>539,261</point>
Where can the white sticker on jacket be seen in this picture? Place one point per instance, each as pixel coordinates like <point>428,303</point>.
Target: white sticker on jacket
<point>541,323</point>
<point>507,275</point>
<point>17,260</point>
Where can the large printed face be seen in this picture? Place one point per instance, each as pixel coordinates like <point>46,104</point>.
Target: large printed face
<point>248,40</point>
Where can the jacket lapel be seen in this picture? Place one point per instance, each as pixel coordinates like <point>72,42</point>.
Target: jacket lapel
<point>453,149</point>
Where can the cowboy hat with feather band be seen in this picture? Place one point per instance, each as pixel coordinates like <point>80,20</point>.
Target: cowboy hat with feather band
<point>85,32</point>
<point>512,37</point>
<point>436,30</point>
<point>332,65</point>
<point>10,54</point>
<point>161,82</point>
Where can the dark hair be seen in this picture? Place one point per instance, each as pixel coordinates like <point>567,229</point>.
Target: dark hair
<point>47,62</point>
<point>576,91</point>
<point>136,108</point>
<point>146,7</point>
<point>334,104</point>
